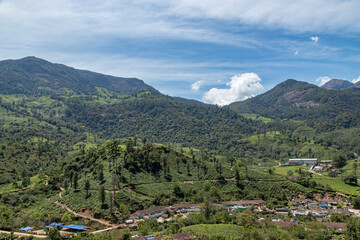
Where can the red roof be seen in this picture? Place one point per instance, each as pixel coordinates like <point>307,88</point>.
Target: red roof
<point>335,226</point>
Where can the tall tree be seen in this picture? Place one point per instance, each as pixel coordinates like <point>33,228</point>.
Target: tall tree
<point>102,195</point>
<point>75,181</point>
<point>87,187</point>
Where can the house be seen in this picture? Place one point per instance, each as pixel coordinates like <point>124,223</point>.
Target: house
<point>301,201</point>
<point>148,213</point>
<point>304,161</point>
<point>328,202</point>
<point>335,225</point>
<point>319,168</point>
<point>325,162</point>
<point>187,207</point>
<point>243,203</point>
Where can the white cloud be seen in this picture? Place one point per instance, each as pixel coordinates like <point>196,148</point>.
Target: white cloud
<point>242,86</point>
<point>356,80</point>
<point>301,16</point>
<point>315,39</point>
<point>296,52</point>
<point>197,85</point>
<point>323,80</point>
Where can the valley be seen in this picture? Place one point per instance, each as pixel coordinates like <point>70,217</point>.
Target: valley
<point>87,149</point>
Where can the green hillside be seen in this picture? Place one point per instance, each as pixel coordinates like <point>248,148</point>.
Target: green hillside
<point>322,109</point>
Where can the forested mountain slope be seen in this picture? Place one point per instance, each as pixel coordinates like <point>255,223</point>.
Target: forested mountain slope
<point>323,109</point>
<point>47,110</point>
<point>32,75</point>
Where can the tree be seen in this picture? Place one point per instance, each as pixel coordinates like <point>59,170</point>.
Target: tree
<point>54,234</point>
<point>124,210</point>
<point>355,166</point>
<point>111,203</point>
<point>339,160</point>
<point>237,177</point>
<point>206,209</point>
<point>350,179</point>
<point>102,195</point>
<point>25,181</point>
<point>232,160</point>
<point>126,234</point>
<point>87,187</point>
<point>178,192</point>
<point>66,218</point>
<point>66,186</point>
<point>75,181</point>
<point>356,202</point>
<point>353,229</point>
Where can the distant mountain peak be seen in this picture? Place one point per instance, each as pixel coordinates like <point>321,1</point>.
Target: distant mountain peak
<point>338,84</point>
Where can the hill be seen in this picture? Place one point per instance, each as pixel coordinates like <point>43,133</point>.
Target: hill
<point>31,75</point>
<point>323,109</point>
<point>338,84</point>
<point>49,110</point>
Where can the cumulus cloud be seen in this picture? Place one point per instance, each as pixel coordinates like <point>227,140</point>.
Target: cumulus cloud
<point>197,85</point>
<point>242,86</point>
<point>323,80</point>
<point>356,80</point>
<point>315,39</point>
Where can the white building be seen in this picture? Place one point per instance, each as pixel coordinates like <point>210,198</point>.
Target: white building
<point>304,161</point>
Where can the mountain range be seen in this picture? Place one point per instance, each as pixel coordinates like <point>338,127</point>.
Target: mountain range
<point>340,84</point>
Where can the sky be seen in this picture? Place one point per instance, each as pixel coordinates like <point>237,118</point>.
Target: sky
<point>214,51</point>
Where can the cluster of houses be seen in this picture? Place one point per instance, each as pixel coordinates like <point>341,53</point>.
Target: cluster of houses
<point>159,212</point>
<point>322,209</point>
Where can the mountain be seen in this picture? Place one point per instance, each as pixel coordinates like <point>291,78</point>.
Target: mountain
<point>48,110</point>
<point>321,108</point>
<point>31,75</point>
<point>338,84</point>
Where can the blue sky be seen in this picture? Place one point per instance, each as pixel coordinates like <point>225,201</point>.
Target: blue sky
<point>213,51</point>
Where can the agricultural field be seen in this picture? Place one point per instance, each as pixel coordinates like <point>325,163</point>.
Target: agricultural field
<point>283,171</point>
<point>213,231</point>
<point>337,184</point>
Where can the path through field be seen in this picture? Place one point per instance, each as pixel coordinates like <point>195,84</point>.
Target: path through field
<point>101,221</point>
<point>24,234</point>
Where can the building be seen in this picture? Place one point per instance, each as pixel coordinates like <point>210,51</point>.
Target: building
<point>304,161</point>
<point>335,226</point>
<point>184,208</point>
<point>148,213</point>
<point>243,203</point>
<point>301,201</point>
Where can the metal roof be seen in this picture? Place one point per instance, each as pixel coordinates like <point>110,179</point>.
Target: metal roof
<point>76,227</point>
<point>26,228</point>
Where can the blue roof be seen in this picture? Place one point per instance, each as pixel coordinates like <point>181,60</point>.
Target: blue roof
<point>26,228</point>
<point>76,227</point>
<point>54,224</point>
